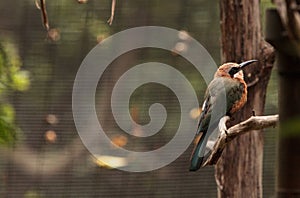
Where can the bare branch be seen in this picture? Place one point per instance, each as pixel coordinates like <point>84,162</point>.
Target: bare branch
<point>42,7</point>
<point>253,123</point>
<point>37,4</point>
<point>113,6</point>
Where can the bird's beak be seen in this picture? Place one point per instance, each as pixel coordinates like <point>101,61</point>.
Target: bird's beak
<point>243,64</point>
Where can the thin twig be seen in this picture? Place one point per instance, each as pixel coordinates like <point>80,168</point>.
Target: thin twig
<point>37,4</point>
<point>113,6</point>
<point>42,7</point>
<point>253,123</point>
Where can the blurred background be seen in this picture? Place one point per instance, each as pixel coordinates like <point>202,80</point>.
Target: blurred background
<point>41,154</point>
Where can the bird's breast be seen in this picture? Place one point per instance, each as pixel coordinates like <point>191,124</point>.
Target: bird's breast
<point>240,102</point>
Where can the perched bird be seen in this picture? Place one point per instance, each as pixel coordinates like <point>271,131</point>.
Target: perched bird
<point>227,92</point>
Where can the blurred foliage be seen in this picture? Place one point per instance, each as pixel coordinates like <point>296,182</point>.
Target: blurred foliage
<point>12,78</point>
<point>32,194</point>
<point>291,128</point>
<point>11,75</point>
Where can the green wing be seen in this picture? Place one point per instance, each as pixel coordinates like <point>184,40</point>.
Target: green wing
<point>221,95</point>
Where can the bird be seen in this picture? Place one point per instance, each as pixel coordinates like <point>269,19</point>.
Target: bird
<point>227,92</point>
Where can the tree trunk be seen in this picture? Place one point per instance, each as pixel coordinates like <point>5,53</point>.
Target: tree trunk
<point>239,170</point>
<point>280,22</point>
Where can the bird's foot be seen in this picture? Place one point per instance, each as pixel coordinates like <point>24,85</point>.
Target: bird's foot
<point>226,132</point>
<point>222,125</point>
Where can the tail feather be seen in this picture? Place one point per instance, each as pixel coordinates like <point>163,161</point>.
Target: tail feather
<point>197,156</point>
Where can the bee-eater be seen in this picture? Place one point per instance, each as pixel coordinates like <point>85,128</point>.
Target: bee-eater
<point>229,79</point>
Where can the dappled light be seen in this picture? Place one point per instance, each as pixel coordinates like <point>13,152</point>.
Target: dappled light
<point>109,162</point>
<point>50,136</point>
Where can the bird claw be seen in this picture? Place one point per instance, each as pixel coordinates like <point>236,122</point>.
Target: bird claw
<point>222,125</point>
<point>226,132</point>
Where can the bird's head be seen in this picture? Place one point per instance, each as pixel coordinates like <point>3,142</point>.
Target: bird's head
<point>233,70</point>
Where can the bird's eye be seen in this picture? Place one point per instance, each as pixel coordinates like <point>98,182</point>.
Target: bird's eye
<point>233,71</point>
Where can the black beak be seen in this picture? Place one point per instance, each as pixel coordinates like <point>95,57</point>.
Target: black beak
<point>243,64</point>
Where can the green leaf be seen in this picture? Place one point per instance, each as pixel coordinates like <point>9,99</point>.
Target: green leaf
<point>20,80</point>
<point>7,133</point>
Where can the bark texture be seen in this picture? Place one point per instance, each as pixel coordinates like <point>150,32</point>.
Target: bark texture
<point>239,170</point>
<point>283,32</point>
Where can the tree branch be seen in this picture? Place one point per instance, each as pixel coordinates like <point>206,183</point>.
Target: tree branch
<point>42,7</point>
<point>113,6</point>
<point>253,123</point>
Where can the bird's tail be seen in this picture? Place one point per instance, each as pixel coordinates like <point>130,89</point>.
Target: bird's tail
<point>197,157</point>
